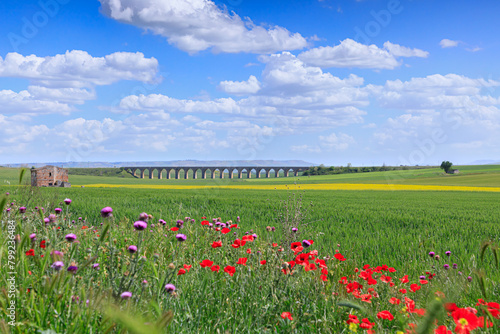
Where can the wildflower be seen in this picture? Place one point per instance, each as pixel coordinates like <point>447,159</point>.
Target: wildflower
<point>306,243</point>
<point>174,229</point>
<point>237,243</point>
<point>415,287</point>
<point>385,315</point>
<point>295,230</point>
<point>180,237</point>
<point>225,230</point>
<point>187,267</point>
<point>455,266</point>
<point>57,265</point>
<point>446,266</point>
<point>31,252</point>
<point>465,320</point>
<point>161,221</point>
<point>67,201</point>
<point>442,330</point>
<point>70,237</point>
<point>206,263</point>
<point>46,220</point>
<point>143,217</point>
<point>181,272</point>
<point>422,277</point>
<point>170,288</point>
<point>469,278</point>
<point>107,212</point>
<point>254,236</point>
<point>437,257</point>
<point>296,247</point>
<point>95,266</point>
<point>57,210</point>
<point>216,244</point>
<point>263,262</point>
<point>215,268</point>
<point>140,225</point>
<point>144,282</point>
<point>242,260</point>
<point>287,315</point>
<point>230,270</point>
<point>33,236</point>
<point>394,301</point>
<point>42,244</point>
<point>431,254</point>
<point>132,249</point>
<point>72,269</point>
<point>339,257</point>
<point>22,209</point>
<point>448,253</point>
<point>126,295</point>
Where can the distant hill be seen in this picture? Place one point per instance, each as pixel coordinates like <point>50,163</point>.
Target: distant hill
<point>187,163</point>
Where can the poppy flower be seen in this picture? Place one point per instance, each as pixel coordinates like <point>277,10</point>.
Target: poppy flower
<point>403,291</point>
<point>237,243</point>
<point>215,268</point>
<point>225,230</point>
<point>204,222</point>
<point>247,238</point>
<point>385,315</point>
<point>174,229</point>
<point>31,252</point>
<point>263,262</point>
<point>287,315</point>
<point>465,321</point>
<point>442,330</point>
<point>339,257</point>
<point>366,324</point>
<point>242,260</point>
<point>296,247</point>
<point>394,301</point>
<point>216,244</point>
<point>353,319</point>
<point>230,270</point>
<point>275,244</point>
<point>415,287</point>
<point>366,298</point>
<point>249,251</point>
<point>181,272</point>
<point>42,244</point>
<point>187,267</point>
<point>323,277</point>
<point>206,263</point>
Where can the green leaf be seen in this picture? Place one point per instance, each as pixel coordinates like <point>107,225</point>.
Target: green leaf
<point>2,205</point>
<point>484,246</point>
<point>21,175</point>
<point>346,303</point>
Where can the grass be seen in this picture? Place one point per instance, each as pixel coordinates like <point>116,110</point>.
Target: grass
<point>397,229</point>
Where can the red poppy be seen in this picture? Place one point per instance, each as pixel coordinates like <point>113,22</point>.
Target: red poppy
<point>206,263</point>
<point>275,244</point>
<point>249,251</point>
<point>187,267</point>
<point>404,279</point>
<point>84,227</point>
<point>287,315</point>
<point>386,279</point>
<point>237,243</point>
<point>442,330</point>
<point>296,247</point>
<point>42,244</point>
<point>215,268</point>
<point>225,230</point>
<point>263,262</point>
<point>415,287</point>
<point>310,266</point>
<point>181,272</point>
<point>385,315</point>
<point>174,229</point>
<point>465,321</point>
<point>423,281</point>
<point>394,301</point>
<point>353,319</point>
<point>366,298</point>
<point>323,277</point>
<point>31,252</point>
<point>403,291</point>
<point>230,270</point>
<point>204,222</point>
<point>247,238</point>
<point>482,323</point>
<point>339,257</point>
<point>391,270</point>
<point>366,324</point>
<point>242,260</point>
<point>217,244</point>
<point>234,226</point>
<point>450,307</point>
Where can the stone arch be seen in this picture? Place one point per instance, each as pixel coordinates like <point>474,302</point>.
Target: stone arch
<point>279,170</point>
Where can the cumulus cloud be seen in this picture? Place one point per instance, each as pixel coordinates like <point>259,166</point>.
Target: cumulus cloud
<point>25,102</point>
<point>329,143</point>
<point>197,25</point>
<point>448,43</point>
<point>78,68</point>
<point>350,53</point>
<point>251,86</point>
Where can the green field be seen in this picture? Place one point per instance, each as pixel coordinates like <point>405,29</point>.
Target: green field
<point>393,228</point>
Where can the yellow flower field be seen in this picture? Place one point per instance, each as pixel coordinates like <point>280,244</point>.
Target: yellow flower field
<point>324,186</point>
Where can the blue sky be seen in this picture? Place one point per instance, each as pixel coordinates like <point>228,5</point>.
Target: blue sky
<point>365,82</point>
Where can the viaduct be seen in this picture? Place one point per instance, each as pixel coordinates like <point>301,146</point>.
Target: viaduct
<point>209,172</point>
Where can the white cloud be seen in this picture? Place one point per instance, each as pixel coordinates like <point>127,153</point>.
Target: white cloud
<point>251,86</point>
<point>336,142</point>
<point>350,53</point>
<point>197,25</point>
<point>79,69</point>
<point>448,43</point>
<point>24,102</point>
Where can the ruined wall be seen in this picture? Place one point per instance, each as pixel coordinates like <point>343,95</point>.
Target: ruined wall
<point>49,176</point>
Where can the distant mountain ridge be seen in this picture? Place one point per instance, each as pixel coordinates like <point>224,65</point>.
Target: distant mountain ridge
<point>186,163</point>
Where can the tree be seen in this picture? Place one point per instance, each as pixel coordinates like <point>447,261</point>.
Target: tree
<point>446,165</point>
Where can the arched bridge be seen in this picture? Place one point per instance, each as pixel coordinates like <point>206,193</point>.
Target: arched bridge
<point>211,172</point>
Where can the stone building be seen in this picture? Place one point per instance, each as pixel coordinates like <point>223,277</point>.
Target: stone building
<point>49,176</point>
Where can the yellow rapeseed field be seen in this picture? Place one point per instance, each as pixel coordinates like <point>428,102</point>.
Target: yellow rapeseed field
<point>324,186</point>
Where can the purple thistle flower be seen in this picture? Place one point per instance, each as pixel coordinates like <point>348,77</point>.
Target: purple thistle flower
<point>140,225</point>
<point>52,218</point>
<point>161,221</point>
<point>238,219</point>
<point>469,278</point>
<point>437,257</point>
<point>422,277</point>
<point>132,249</point>
<point>46,220</point>
<point>57,265</point>
<point>107,212</point>
<point>455,266</point>
<point>446,266</point>
<point>33,236</point>
<point>295,230</point>
<point>8,209</point>
<point>72,269</point>
<point>273,228</point>
<point>448,253</point>
<point>79,218</point>
<point>254,236</point>
<point>22,209</point>
<point>67,201</point>
<point>181,237</point>
<point>95,266</point>
<point>57,210</point>
<point>126,295</point>
<point>170,288</point>
<point>431,254</point>
<point>144,217</point>
<point>70,237</point>
<point>306,243</point>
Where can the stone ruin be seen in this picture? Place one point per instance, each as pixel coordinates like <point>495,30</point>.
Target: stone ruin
<point>50,176</point>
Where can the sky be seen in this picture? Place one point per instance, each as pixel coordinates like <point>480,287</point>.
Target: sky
<point>366,82</point>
